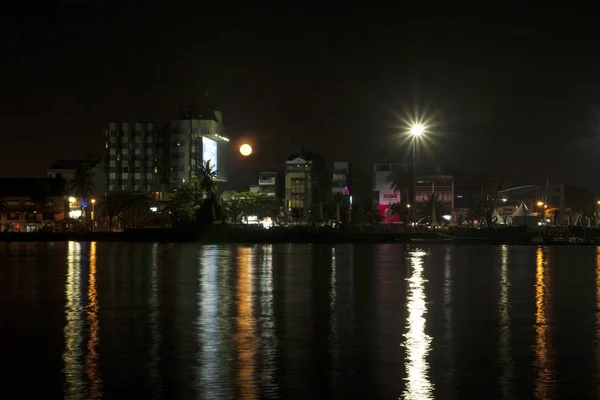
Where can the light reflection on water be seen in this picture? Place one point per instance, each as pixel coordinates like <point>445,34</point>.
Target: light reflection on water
<point>245,335</point>
<point>448,326</point>
<point>267,323</point>
<point>209,337</point>
<point>95,391</point>
<point>598,320</point>
<point>504,345</point>
<point>417,341</point>
<point>154,324</point>
<point>74,330</point>
<point>544,352</point>
<point>298,321</point>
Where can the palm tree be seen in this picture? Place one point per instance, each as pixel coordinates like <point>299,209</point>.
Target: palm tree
<point>206,181</point>
<point>398,180</point>
<point>82,186</point>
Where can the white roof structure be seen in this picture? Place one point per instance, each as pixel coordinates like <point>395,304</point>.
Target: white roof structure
<point>499,219</point>
<point>522,211</point>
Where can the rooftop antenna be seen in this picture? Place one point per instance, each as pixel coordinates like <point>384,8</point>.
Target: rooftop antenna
<point>205,105</point>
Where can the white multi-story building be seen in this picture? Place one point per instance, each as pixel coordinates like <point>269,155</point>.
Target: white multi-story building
<point>155,157</point>
<point>196,137</point>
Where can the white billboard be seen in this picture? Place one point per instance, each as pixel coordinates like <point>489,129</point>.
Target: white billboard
<point>209,151</point>
<point>388,197</point>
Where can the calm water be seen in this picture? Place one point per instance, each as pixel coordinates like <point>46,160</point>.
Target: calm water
<point>123,321</point>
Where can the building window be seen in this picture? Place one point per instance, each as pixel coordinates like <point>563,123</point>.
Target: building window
<point>30,203</point>
<point>297,185</point>
<point>48,216</point>
<point>13,216</point>
<point>30,216</point>
<point>12,203</point>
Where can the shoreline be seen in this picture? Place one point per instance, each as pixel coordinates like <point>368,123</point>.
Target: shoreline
<point>218,234</point>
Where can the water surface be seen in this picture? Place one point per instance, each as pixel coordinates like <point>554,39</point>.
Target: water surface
<point>296,321</point>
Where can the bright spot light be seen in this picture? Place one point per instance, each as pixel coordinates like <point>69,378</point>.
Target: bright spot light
<point>245,150</point>
<point>417,129</point>
<point>504,200</point>
<point>71,199</point>
<point>447,217</point>
<point>93,201</point>
<point>540,203</point>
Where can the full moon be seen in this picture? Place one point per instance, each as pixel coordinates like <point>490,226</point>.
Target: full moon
<point>245,150</point>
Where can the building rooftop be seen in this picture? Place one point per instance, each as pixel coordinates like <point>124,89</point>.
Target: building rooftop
<point>32,187</point>
<point>73,164</point>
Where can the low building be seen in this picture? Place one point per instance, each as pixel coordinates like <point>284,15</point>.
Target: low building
<point>271,183</point>
<point>340,181</point>
<point>67,170</point>
<point>390,184</point>
<point>440,187</point>
<point>28,205</point>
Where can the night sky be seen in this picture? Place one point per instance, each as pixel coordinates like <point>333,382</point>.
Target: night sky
<point>516,95</point>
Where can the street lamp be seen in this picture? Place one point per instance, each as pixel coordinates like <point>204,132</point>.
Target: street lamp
<point>93,214</point>
<point>416,130</point>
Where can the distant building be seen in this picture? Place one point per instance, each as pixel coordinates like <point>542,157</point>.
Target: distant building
<point>159,157</point>
<point>136,157</point>
<point>384,194</point>
<point>340,181</point>
<point>67,169</point>
<point>31,204</point>
<point>302,182</point>
<point>271,183</point>
<point>195,137</point>
<point>440,187</point>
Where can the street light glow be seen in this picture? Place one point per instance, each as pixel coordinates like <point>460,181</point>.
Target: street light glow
<point>417,129</point>
<point>71,199</point>
<point>93,201</point>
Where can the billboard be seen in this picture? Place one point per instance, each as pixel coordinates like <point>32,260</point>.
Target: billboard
<point>388,197</point>
<point>209,151</point>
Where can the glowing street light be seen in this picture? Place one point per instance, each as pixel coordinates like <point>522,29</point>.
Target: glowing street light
<point>416,130</point>
<point>72,200</point>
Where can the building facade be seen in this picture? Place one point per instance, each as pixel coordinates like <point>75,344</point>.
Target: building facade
<point>271,183</point>
<point>340,181</point>
<point>302,182</point>
<point>439,187</point>
<point>31,204</point>
<point>159,157</point>
<point>67,170</point>
<point>384,193</point>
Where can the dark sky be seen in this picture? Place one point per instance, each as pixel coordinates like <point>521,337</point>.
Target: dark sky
<point>514,94</point>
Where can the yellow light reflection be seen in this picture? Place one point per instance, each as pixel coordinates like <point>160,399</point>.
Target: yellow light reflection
<point>504,349</point>
<point>544,357</point>
<point>417,342</point>
<point>246,323</point>
<point>72,355</point>
<point>91,362</point>
<point>267,323</point>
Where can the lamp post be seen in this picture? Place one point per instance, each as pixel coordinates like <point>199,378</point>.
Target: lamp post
<point>415,131</point>
<point>93,214</point>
